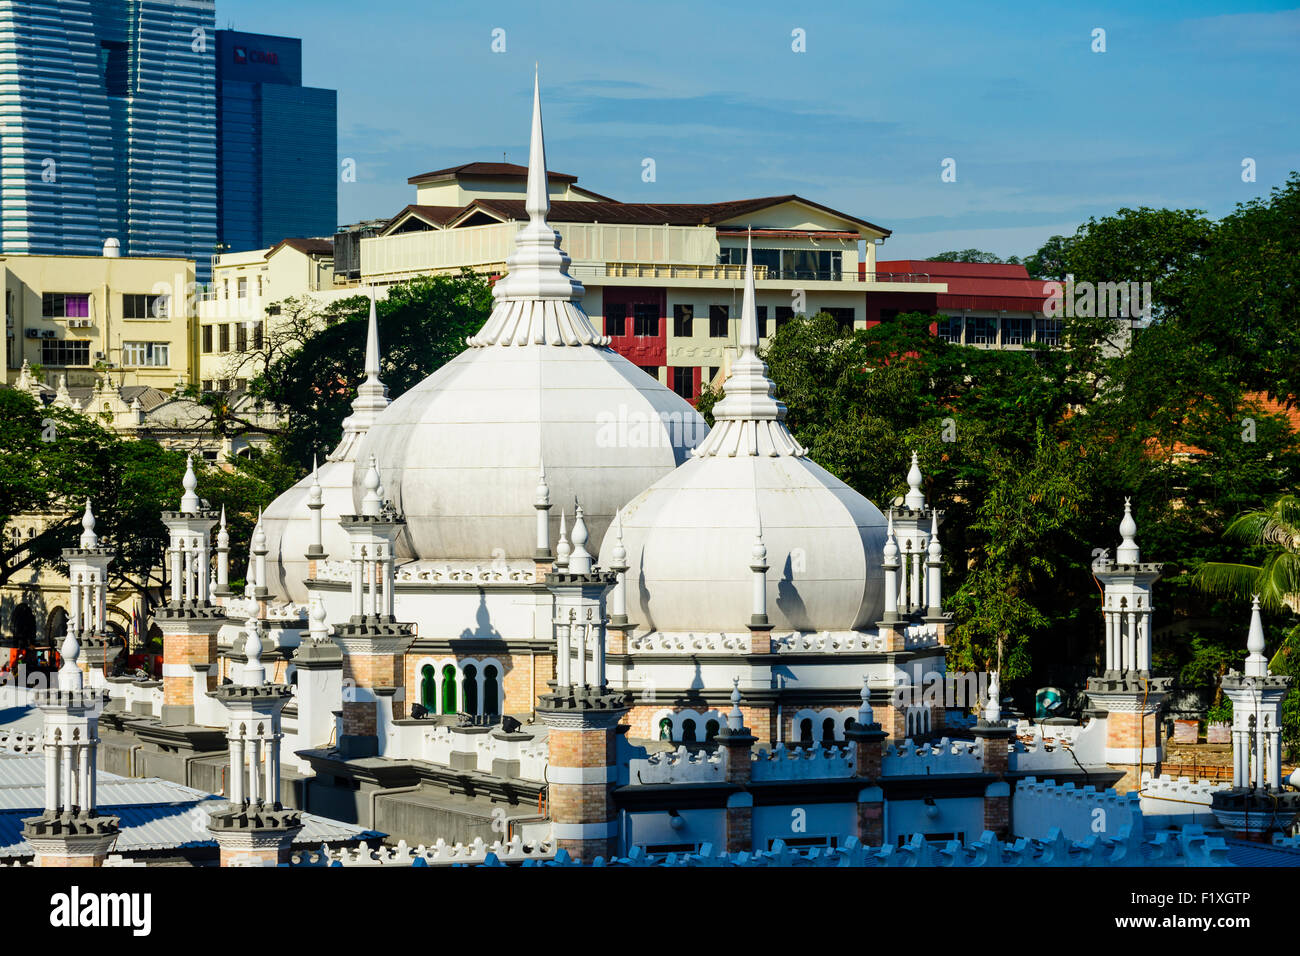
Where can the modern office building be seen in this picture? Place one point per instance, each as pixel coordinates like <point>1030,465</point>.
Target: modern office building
<point>277,144</point>
<point>108,127</point>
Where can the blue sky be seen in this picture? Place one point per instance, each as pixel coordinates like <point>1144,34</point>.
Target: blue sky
<point>1044,131</point>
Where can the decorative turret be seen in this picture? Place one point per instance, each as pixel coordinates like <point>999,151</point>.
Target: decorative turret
<point>915,498</point>
<point>758,564</point>
<point>580,558</point>
<point>315,502</point>
<point>1126,601</point>
<point>260,590</point>
<point>542,502</point>
<point>1257,804</point>
<point>222,588</point>
<point>618,599</point>
<point>562,549</point>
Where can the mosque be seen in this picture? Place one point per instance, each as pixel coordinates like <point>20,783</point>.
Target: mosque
<point>535,602</point>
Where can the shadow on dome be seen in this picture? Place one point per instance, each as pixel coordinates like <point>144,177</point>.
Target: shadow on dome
<point>788,599</point>
<point>483,629</point>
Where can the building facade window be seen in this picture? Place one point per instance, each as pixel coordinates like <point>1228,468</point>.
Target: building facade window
<point>65,352</point>
<point>683,382</point>
<point>651,370</point>
<point>1047,331</point>
<point>683,320</point>
<point>428,689</point>
<point>449,689</point>
<point>645,319</point>
<point>145,354</point>
<point>843,318</point>
<point>817,264</point>
<point>949,328</point>
<point>257,335</point>
<point>784,314</point>
<point>242,287</point>
<point>136,306</point>
<point>241,336</point>
<point>223,338</point>
<point>719,320</point>
<point>470,687</point>
<point>761,312</point>
<point>616,318</point>
<point>1017,331</point>
<point>65,305</point>
<point>981,330</point>
<point>207,338</point>
<point>491,691</point>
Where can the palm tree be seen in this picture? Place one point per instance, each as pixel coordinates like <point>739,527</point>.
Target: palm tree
<point>1276,580</point>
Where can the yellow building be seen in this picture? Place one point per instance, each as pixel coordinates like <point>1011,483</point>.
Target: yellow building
<point>84,317</point>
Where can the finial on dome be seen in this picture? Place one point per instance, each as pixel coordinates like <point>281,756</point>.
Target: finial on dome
<point>915,496</point>
<point>370,502</point>
<point>580,557</point>
<point>88,537</point>
<point>1256,662</point>
<point>1127,552</point>
<point>253,673</point>
<point>189,500</point>
<point>372,342</point>
<point>748,308</point>
<point>537,202</point>
<point>562,548</point>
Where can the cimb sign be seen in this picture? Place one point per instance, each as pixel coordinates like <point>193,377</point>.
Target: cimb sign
<point>244,55</point>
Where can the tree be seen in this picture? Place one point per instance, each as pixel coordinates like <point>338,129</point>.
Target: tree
<point>422,323</point>
<point>972,255</point>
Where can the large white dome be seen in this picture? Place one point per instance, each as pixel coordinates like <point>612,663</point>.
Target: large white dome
<point>459,453</point>
<point>689,539</point>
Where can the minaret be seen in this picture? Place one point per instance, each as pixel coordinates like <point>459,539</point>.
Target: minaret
<point>88,601</point>
<point>260,590</point>
<point>542,557</point>
<point>1257,804</point>
<point>222,591</point>
<point>583,716</point>
<point>934,573</point>
<point>315,502</point>
<point>253,828</point>
<point>70,831</point>
<point>374,645</point>
<point>1131,698</point>
<point>910,523</point>
<point>189,620</point>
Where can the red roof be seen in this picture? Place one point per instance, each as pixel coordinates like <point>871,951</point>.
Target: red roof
<point>977,286</point>
<point>508,170</point>
<point>309,247</point>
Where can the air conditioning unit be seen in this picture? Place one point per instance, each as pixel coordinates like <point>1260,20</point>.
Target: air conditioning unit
<point>47,333</point>
<point>100,356</point>
<point>79,323</point>
<point>33,333</point>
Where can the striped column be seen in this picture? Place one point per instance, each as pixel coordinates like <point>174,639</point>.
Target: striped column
<point>582,771</point>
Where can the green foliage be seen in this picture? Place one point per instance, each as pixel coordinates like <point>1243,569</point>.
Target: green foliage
<point>422,324</point>
<point>972,255</point>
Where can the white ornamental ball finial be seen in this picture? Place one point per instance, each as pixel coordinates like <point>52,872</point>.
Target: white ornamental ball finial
<point>370,502</point>
<point>891,542</point>
<point>1127,552</point>
<point>620,552</point>
<point>915,498</point>
<point>993,706</point>
<point>314,496</point>
<point>254,672</point>
<point>735,719</point>
<point>580,557</point>
<point>935,549</point>
<point>318,630</point>
<point>223,536</point>
<point>562,547</point>
<point>1256,662</point>
<point>259,535</point>
<point>189,500</point>
<point>88,537</point>
<point>758,553</point>
<point>543,499</point>
<point>866,716</point>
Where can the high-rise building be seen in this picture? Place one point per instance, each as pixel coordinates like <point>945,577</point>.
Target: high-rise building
<point>109,127</point>
<point>276,144</point>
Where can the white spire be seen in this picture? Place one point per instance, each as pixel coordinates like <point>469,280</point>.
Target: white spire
<point>562,549</point>
<point>935,550</point>
<point>543,499</point>
<point>993,705</point>
<point>372,394</point>
<point>223,536</point>
<point>70,677</point>
<point>891,542</point>
<point>915,496</point>
<point>1256,662</point>
<point>315,493</point>
<point>370,502</point>
<point>88,537</point>
<point>580,558</point>
<point>749,420</point>
<point>866,717</point>
<point>1127,552</point>
<point>259,536</point>
<point>620,552</point>
<point>537,300</point>
<point>189,500</point>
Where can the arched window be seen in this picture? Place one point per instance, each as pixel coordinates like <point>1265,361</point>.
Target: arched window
<point>449,689</point>
<point>491,694</point>
<point>828,731</point>
<point>470,683</point>
<point>429,688</point>
<point>805,732</point>
<point>850,723</point>
<point>688,731</point>
<point>710,731</point>
<point>666,729</point>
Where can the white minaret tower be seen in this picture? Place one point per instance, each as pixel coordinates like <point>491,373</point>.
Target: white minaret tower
<point>890,565</point>
<point>222,590</point>
<point>934,571</point>
<point>1126,602</point>
<point>253,828</point>
<point>913,524</point>
<point>88,600</point>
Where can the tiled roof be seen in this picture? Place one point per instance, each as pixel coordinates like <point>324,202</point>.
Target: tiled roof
<point>512,170</point>
<point>309,247</point>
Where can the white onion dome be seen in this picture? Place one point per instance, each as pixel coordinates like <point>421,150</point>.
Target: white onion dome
<point>686,547</point>
<point>286,523</point>
<point>458,454</point>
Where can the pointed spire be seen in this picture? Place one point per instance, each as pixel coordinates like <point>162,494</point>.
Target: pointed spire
<point>580,557</point>
<point>189,501</point>
<point>891,542</point>
<point>749,420</point>
<point>735,718</point>
<point>935,550</point>
<point>915,496</point>
<point>543,499</point>
<point>866,717</point>
<point>1127,552</point>
<point>314,495</point>
<point>1256,662</point>
<point>88,537</point>
<point>619,555</point>
<point>223,536</point>
<point>537,300</point>
<point>562,549</point>
<point>372,394</point>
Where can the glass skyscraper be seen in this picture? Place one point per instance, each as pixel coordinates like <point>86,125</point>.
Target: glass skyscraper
<point>108,127</point>
<point>277,144</point>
